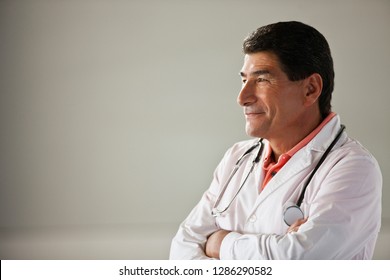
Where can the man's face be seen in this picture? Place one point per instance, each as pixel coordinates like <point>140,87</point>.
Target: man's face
<point>273,105</point>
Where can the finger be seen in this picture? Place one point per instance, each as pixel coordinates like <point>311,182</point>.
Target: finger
<point>299,222</point>
<point>296,225</point>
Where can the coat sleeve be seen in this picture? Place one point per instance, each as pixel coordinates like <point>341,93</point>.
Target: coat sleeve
<point>189,241</point>
<point>343,221</point>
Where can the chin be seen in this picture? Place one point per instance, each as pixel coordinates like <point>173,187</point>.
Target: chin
<point>256,133</point>
<point>252,133</point>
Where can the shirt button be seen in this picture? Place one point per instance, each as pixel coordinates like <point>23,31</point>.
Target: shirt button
<point>253,219</point>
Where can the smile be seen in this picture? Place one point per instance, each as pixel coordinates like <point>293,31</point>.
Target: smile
<point>253,114</point>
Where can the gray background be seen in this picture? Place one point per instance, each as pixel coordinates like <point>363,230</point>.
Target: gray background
<point>114,114</point>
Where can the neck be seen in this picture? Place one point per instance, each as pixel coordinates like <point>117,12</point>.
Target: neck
<point>291,136</point>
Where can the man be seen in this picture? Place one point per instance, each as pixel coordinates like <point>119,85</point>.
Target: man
<point>287,82</point>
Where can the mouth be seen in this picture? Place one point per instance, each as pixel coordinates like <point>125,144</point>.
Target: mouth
<point>253,114</point>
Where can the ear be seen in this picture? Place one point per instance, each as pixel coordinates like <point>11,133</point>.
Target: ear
<point>313,88</point>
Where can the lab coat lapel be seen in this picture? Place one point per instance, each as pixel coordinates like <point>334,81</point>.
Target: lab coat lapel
<point>248,165</point>
<point>303,159</point>
<point>286,174</point>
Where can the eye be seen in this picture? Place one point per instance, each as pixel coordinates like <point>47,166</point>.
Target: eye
<point>261,80</point>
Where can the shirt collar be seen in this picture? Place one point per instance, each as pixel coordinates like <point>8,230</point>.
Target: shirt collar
<point>286,156</point>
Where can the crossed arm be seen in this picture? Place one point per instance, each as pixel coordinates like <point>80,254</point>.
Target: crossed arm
<point>214,241</point>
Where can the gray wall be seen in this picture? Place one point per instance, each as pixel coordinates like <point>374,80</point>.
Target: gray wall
<point>115,113</point>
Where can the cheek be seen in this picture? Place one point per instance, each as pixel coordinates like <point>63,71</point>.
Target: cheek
<point>282,109</point>
<point>290,108</point>
<point>270,105</point>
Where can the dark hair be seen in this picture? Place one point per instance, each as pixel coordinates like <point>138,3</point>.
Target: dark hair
<point>301,50</point>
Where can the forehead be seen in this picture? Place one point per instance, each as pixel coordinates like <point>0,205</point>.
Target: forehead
<point>261,61</point>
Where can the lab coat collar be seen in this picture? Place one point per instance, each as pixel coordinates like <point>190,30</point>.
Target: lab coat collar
<point>303,158</point>
<point>325,137</point>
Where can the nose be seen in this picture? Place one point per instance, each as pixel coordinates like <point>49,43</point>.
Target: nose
<point>247,95</point>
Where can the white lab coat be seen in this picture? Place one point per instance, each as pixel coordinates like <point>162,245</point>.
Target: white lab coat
<point>342,203</point>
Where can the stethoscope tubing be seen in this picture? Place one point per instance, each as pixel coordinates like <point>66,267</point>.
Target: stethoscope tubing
<point>322,159</point>
<point>216,212</point>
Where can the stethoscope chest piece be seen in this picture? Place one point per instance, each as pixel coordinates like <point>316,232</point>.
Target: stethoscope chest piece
<point>292,213</point>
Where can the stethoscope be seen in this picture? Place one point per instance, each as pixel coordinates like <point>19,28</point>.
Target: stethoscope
<point>292,211</point>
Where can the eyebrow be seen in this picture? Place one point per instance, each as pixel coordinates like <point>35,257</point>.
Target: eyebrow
<point>256,73</point>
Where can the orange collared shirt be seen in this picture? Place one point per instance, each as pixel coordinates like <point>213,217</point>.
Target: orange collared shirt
<point>270,168</point>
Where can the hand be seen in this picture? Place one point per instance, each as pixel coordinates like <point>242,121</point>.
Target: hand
<point>295,226</point>
<point>213,244</point>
